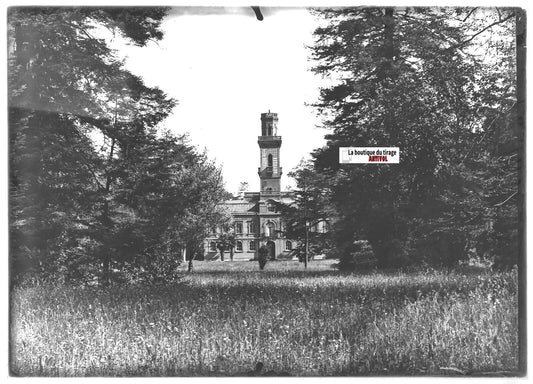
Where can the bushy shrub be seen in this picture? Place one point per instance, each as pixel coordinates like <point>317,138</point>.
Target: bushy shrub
<point>443,247</point>
<point>360,256</point>
<point>263,256</point>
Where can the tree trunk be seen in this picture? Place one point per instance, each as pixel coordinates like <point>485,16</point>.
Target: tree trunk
<point>106,219</point>
<point>184,254</point>
<point>306,244</point>
<point>387,69</point>
<point>388,43</point>
<point>106,270</point>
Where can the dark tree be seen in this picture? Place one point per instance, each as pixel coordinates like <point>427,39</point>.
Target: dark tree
<point>66,89</point>
<point>263,256</point>
<point>311,209</point>
<point>411,78</point>
<point>94,186</point>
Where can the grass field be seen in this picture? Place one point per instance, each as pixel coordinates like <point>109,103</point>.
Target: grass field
<point>226,317</point>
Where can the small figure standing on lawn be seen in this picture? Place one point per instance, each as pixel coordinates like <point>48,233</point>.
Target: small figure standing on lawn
<point>263,256</point>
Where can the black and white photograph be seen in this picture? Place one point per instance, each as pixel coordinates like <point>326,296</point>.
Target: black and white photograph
<point>264,190</point>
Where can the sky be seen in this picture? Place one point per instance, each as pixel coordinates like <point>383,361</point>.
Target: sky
<point>225,68</point>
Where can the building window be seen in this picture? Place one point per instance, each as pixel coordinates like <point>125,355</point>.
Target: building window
<point>238,227</point>
<point>252,228</point>
<point>270,160</point>
<point>238,246</point>
<point>288,245</point>
<point>271,207</point>
<point>213,230</point>
<point>320,227</point>
<point>269,130</point>
<point>212,246</point>
<point>270,229</point>
<point>252,245</point>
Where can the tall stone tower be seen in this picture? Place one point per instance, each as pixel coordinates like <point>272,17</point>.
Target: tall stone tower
<point>269,147</point>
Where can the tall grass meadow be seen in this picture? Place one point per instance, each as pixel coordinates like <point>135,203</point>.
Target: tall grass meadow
<point>226,317</point>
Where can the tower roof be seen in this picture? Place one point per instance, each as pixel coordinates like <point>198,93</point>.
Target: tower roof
<point>269,115</point>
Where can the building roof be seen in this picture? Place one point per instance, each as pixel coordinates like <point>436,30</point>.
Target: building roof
<point>248,203</point>
<point>240,206</point>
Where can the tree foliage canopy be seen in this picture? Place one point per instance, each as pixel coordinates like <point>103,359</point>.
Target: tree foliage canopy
<point>95,185</point>
<point>311,208</point>
<point>415,78</point>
